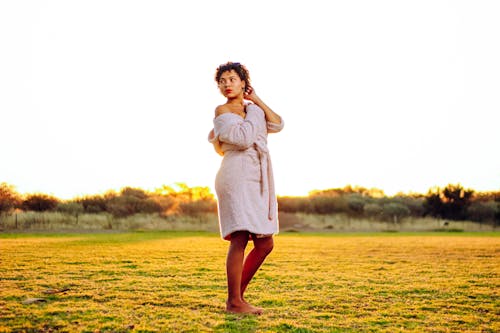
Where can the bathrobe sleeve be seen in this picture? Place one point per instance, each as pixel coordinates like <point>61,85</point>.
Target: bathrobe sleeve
<point>233,129</point>
<point>215,142</point>
<point>275,128</point>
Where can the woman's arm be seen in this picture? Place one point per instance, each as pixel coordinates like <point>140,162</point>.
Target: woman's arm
<point>271,116</point>
<point>215,141</point>
<point>236,131</point>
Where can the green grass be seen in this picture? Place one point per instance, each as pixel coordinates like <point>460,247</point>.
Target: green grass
<point>175,282</point>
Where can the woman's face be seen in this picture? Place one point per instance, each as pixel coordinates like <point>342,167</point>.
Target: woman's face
<point>230,84</point>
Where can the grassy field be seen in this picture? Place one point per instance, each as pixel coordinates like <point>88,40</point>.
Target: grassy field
<point>175,282</point>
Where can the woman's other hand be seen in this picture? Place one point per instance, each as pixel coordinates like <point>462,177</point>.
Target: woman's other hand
<point>271,116</point>
<point>250,95</point>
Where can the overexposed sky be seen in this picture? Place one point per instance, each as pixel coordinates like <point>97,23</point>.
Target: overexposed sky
<point>398,95</point>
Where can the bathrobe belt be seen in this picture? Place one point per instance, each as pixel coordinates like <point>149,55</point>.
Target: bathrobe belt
<point>266,179</point>
<point>266,175</point>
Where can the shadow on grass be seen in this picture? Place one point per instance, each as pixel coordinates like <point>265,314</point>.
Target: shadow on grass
<point>238,323</point>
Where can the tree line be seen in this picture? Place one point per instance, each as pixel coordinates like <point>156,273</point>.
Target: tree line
<point>452,202</point>
<point>166,200</point>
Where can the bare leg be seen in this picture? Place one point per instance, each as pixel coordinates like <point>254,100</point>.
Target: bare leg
<point>234,269</point>
<point>253,261</point>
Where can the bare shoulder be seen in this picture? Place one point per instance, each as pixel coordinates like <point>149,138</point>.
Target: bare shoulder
<point>255,108</point>
<point>221,109</point>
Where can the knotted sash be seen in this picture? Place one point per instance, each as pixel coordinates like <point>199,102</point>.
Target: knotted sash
<point>231,132</point>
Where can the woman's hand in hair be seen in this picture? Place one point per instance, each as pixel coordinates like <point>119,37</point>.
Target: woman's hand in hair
<point>250,95</point>
<point>271,116</point>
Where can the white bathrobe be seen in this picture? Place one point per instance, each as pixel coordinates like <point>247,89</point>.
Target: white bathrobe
<point>244,183</point>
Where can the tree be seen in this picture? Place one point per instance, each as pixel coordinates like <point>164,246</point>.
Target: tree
<point>371,192</point>
<point>132,201</point>
<point>9,198</point>
<point>134,192</point>
<point>182,199</point>
<point>448,203</point>
<point>167,204</point>
<point>497,214</point>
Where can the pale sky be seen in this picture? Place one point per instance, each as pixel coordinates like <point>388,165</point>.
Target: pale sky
<point>397,95</point>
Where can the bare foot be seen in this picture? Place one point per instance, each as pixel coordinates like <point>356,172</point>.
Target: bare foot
<point>259,310</point>
<point>242,307</point>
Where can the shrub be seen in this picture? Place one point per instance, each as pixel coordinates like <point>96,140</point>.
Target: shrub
<point>328,204</point>
<point>373,210</point>
<point>482,211</point>
<point>95,203</point>
<point>121,206</point>
<point>294,204</point>
<point>127,205</point>
<point>197,207</point>
<point>356,203</point>
<point>39,202</point>
<point>71,207</point>
<point>395,211</point>
<point>414,203</point>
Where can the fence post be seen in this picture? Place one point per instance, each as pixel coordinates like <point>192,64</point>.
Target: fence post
<point>16,220</point>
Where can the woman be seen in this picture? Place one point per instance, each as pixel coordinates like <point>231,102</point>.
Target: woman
<point>244,183</point>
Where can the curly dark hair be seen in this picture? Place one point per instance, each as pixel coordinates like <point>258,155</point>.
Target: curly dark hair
<point>240,69</point>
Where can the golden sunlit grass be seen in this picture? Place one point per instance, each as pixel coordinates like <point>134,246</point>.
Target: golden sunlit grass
<point>175,282</point>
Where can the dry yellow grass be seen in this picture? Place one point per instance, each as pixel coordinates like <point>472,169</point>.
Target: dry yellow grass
<point>175,282</point>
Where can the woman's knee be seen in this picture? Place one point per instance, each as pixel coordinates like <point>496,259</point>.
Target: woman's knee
<point>264,245</point>
<point>239,237</point>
